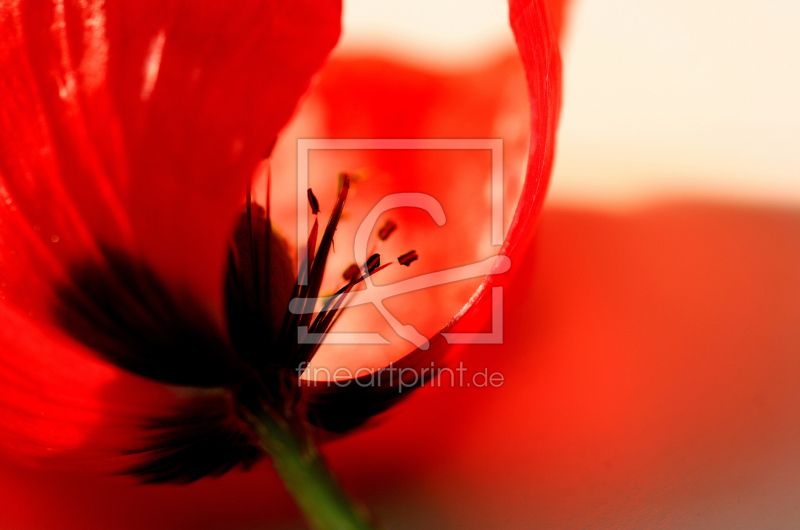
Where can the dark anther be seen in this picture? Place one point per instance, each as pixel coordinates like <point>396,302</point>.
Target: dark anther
<point>351,272</point>
<point>386,230</point>
<point>312,201</point>
<point>407,258</point>
<point>373,262</point>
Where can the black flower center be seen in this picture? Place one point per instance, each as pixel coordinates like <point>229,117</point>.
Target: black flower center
<point>124,312</point>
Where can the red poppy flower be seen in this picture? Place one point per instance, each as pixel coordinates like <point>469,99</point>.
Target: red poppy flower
<point>128,135</point>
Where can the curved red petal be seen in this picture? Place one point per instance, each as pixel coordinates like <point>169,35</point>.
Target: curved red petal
<point>377,98</point>
<point>137,124</point>
<point>340,407</point>
<point>558,14</point>
<point>58,401</point>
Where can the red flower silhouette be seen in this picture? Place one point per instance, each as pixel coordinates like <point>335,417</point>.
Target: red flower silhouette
<point>651,379</point>
<point>127,138</point>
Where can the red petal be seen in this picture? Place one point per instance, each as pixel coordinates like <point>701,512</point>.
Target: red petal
<point>558,11</point>
<point>134,125</point>
<point>340,408</point>
<point>137,124</point>
<point>58,401</point>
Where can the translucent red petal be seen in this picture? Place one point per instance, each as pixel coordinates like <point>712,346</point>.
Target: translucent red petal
<point>137,125</point>
<point>340,407</point>
<point>132,125</point>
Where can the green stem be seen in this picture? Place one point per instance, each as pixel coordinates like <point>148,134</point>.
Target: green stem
<point>307,478</point>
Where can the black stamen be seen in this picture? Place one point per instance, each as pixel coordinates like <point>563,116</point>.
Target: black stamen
<point>350,272</point>
<point>373,262</point>
<point>407,258</point>
<point>317,270</point>
<point>308,290</point>
<point>332,310</point>
<point>386,230</point>
<point>313,202</point>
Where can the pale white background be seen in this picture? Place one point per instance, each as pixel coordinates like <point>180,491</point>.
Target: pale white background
<point>662,99</point>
